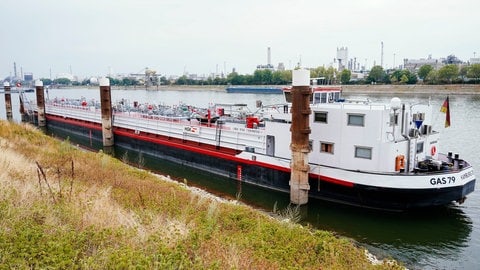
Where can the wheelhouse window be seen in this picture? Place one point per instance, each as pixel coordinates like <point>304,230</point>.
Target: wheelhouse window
<point>363,152</point>
<point>321,117</point>
<point>336,96</point>
<point>356,120</point>
<point>326,147</point>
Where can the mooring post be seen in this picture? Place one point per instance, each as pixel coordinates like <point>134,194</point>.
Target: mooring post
<point>300,130</point>
<point>42,121</point>
<point>8,100</point>
<point>106,107</point>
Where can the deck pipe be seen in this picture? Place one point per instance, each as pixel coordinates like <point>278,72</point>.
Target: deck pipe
<point>8,100</point>
<point>300,133</point>
<point>42,120</point>
<point>106,107</point>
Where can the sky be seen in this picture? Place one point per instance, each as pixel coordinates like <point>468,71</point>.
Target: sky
<point>173,37</point>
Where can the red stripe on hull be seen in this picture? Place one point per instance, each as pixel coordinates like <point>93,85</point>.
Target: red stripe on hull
<point>74,122</point>
<point>203,149</point>
<point>336,181</point>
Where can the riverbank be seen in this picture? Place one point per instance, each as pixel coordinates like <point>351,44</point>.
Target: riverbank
<point>61,207</point>
<point>459,89</point>
<point>454,89</point>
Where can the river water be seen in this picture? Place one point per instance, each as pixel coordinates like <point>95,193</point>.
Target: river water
<point>445,238</point>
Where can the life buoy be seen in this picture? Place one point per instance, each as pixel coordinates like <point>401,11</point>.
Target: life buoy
<point>433,150</point>
<point>399,162</point>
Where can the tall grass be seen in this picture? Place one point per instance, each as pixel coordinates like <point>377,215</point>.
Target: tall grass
<point>99,213</point>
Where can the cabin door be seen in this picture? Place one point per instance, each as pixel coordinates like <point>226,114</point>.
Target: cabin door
<point>270,145</point>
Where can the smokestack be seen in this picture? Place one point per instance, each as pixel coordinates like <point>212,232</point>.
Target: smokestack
<point>269,59</point>
<point>381,58</point>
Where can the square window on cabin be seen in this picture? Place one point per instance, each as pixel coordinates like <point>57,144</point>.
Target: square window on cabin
<point>356,120</point>
<point>420,147</point>
<point>321,117</point>
<point>336,96</point>
<point>326,147</point>
<point>323,98</point>
<point>363,152</point>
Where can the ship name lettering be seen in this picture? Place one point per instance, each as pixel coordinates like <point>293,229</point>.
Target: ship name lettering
<point>442,180</point>
<point>466,175</point>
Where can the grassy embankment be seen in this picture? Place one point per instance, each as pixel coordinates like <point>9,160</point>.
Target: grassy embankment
<point>61,207</point>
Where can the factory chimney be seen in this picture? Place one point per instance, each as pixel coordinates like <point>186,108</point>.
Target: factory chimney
<point>269,58</point>
<point>381,58</point>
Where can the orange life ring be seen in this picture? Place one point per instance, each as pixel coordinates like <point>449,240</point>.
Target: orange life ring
<point>433,150</point>
<point>399,162</point>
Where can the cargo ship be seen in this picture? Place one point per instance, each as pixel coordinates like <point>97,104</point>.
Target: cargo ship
<point>365,154</point>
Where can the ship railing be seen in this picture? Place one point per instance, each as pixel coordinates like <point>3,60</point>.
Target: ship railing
<point>173,119</point>
<point>74,112</point>
<point>236,137</point>
<point>91,113</point>
<point>147,116</point>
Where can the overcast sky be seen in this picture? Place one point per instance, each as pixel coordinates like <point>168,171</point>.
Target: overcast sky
<point>92,38</point>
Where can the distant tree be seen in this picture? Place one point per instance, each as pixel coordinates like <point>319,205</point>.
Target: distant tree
<point>128,82</point>
<point>248,79</point>
<point>281,77</point>
<point>267,76</point>
<point>182,80</point>
<point>463,72</point>
<point>345,76</point>
<point>235,79</point>
<point>448,73</point>
<point>164,81</point>
<point>257,77</point>
<point>403,76</point>
<point>424,70</point>
<point>432,77</point>
<point>262,76</point>
<point>114,81</point>
<point>220,81</point>
<point>376,74</point>
<point>404,79</point>
<point>62,81</point>
<point>327,75</point>
<point>46,81</point>
<point>474,72</point>
<point>318,72</point>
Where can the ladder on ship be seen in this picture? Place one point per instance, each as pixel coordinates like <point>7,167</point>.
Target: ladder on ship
<point>218,132</point>
<point>412,155</point>
<point>26,107</point>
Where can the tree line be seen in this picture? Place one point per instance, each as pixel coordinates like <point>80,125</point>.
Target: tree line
<point>449,73</point>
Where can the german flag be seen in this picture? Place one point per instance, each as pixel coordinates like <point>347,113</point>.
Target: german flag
<point>446,109</point>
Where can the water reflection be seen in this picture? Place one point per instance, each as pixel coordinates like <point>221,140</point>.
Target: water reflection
<point>411,237</point>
